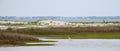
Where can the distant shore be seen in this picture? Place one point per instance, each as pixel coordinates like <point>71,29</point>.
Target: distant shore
<point>51,23</point>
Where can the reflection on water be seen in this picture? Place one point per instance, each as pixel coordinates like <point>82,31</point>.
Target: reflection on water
<point>41,43</point>
<point>72,45</point>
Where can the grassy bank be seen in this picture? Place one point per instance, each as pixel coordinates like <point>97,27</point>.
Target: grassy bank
<point>105,32</point>
<point>13,39</point>
<point>21,36</point>
<point>86,35</point>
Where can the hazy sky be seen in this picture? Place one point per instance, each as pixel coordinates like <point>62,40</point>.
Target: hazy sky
<point>59,7</point>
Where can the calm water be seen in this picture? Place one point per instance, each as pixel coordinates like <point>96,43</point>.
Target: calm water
<point>68,19</point>
<point>72,45</point>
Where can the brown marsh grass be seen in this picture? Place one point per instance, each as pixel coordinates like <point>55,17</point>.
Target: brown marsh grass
<point>12,38</point>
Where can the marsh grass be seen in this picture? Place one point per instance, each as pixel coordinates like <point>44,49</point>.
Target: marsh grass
<point>20,36</point>
<point>65,30</point>
<point>15,39</point>
<point>105,32</point>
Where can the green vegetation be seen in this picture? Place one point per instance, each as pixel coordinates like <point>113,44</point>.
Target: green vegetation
<point>86,35</point>
<point>21,36</point>
<point>112,32</point>
<point>19,40</point>
<point>108,32</point>
<point>15,39</point>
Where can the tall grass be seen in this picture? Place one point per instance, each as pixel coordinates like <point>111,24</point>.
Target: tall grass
<point>14,39</point>
<point>89,29</point>
<point>19,35</point>
<point>67,30</point>
<point>62,30</point>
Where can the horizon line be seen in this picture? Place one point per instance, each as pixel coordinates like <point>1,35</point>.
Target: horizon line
<point>59,16</point>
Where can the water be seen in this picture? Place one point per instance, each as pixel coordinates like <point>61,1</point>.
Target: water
<point>72,45</point>
<point>67,19</point>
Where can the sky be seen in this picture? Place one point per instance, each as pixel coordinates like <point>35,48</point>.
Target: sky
<point>59,7</point>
